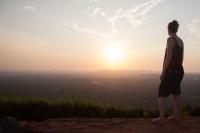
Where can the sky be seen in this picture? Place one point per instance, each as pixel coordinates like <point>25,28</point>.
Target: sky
<point>90,35</point>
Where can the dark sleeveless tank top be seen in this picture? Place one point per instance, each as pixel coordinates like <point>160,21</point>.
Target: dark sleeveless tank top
<point>175,65</point>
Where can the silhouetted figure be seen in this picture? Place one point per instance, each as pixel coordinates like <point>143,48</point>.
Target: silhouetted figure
<point>172,74</point>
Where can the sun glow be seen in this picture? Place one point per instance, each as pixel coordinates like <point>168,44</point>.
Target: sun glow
<point>114,54</point>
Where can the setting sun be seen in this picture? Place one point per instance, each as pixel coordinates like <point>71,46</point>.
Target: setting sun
<point>114,54</point>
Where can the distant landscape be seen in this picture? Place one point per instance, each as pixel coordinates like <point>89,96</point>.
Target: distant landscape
<point>125,88</point>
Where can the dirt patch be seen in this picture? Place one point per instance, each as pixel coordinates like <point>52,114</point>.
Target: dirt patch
<point>114,125</point>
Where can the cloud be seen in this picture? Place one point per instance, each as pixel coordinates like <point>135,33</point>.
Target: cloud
<point>30,8</point>
<point>89,0</point>
<point>65,24</point>
<point>97,11</point>
<point>136,15</point>
<point>90,32</point>
<point>194,28</point>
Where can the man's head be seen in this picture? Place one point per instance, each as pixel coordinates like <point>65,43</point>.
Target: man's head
<point>173,27</point>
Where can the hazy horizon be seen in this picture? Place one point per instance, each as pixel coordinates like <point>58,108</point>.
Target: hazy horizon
<point>126,88</point>
<point>100,71</point>
<point>94,35</point>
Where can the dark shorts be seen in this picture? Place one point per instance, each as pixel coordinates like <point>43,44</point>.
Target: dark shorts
<point>170,84</point>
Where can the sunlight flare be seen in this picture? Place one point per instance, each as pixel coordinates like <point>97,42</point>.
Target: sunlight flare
<point>114,54</point>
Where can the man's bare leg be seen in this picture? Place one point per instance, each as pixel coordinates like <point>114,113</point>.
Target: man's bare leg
<point>162,102</point>
<point>177,106</point>
<point>161,118</point>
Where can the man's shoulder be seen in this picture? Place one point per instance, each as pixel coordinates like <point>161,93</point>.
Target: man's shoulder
<point>170,40</point>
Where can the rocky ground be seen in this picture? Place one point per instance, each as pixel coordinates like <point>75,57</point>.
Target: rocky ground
<point>114,125</point>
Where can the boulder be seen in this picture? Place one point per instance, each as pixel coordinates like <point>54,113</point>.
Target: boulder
<point>9,125</point>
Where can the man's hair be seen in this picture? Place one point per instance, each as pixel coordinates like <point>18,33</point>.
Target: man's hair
<point>173,26</point>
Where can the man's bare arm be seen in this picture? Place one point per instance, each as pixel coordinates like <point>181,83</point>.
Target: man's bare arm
<point>170,46</point>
